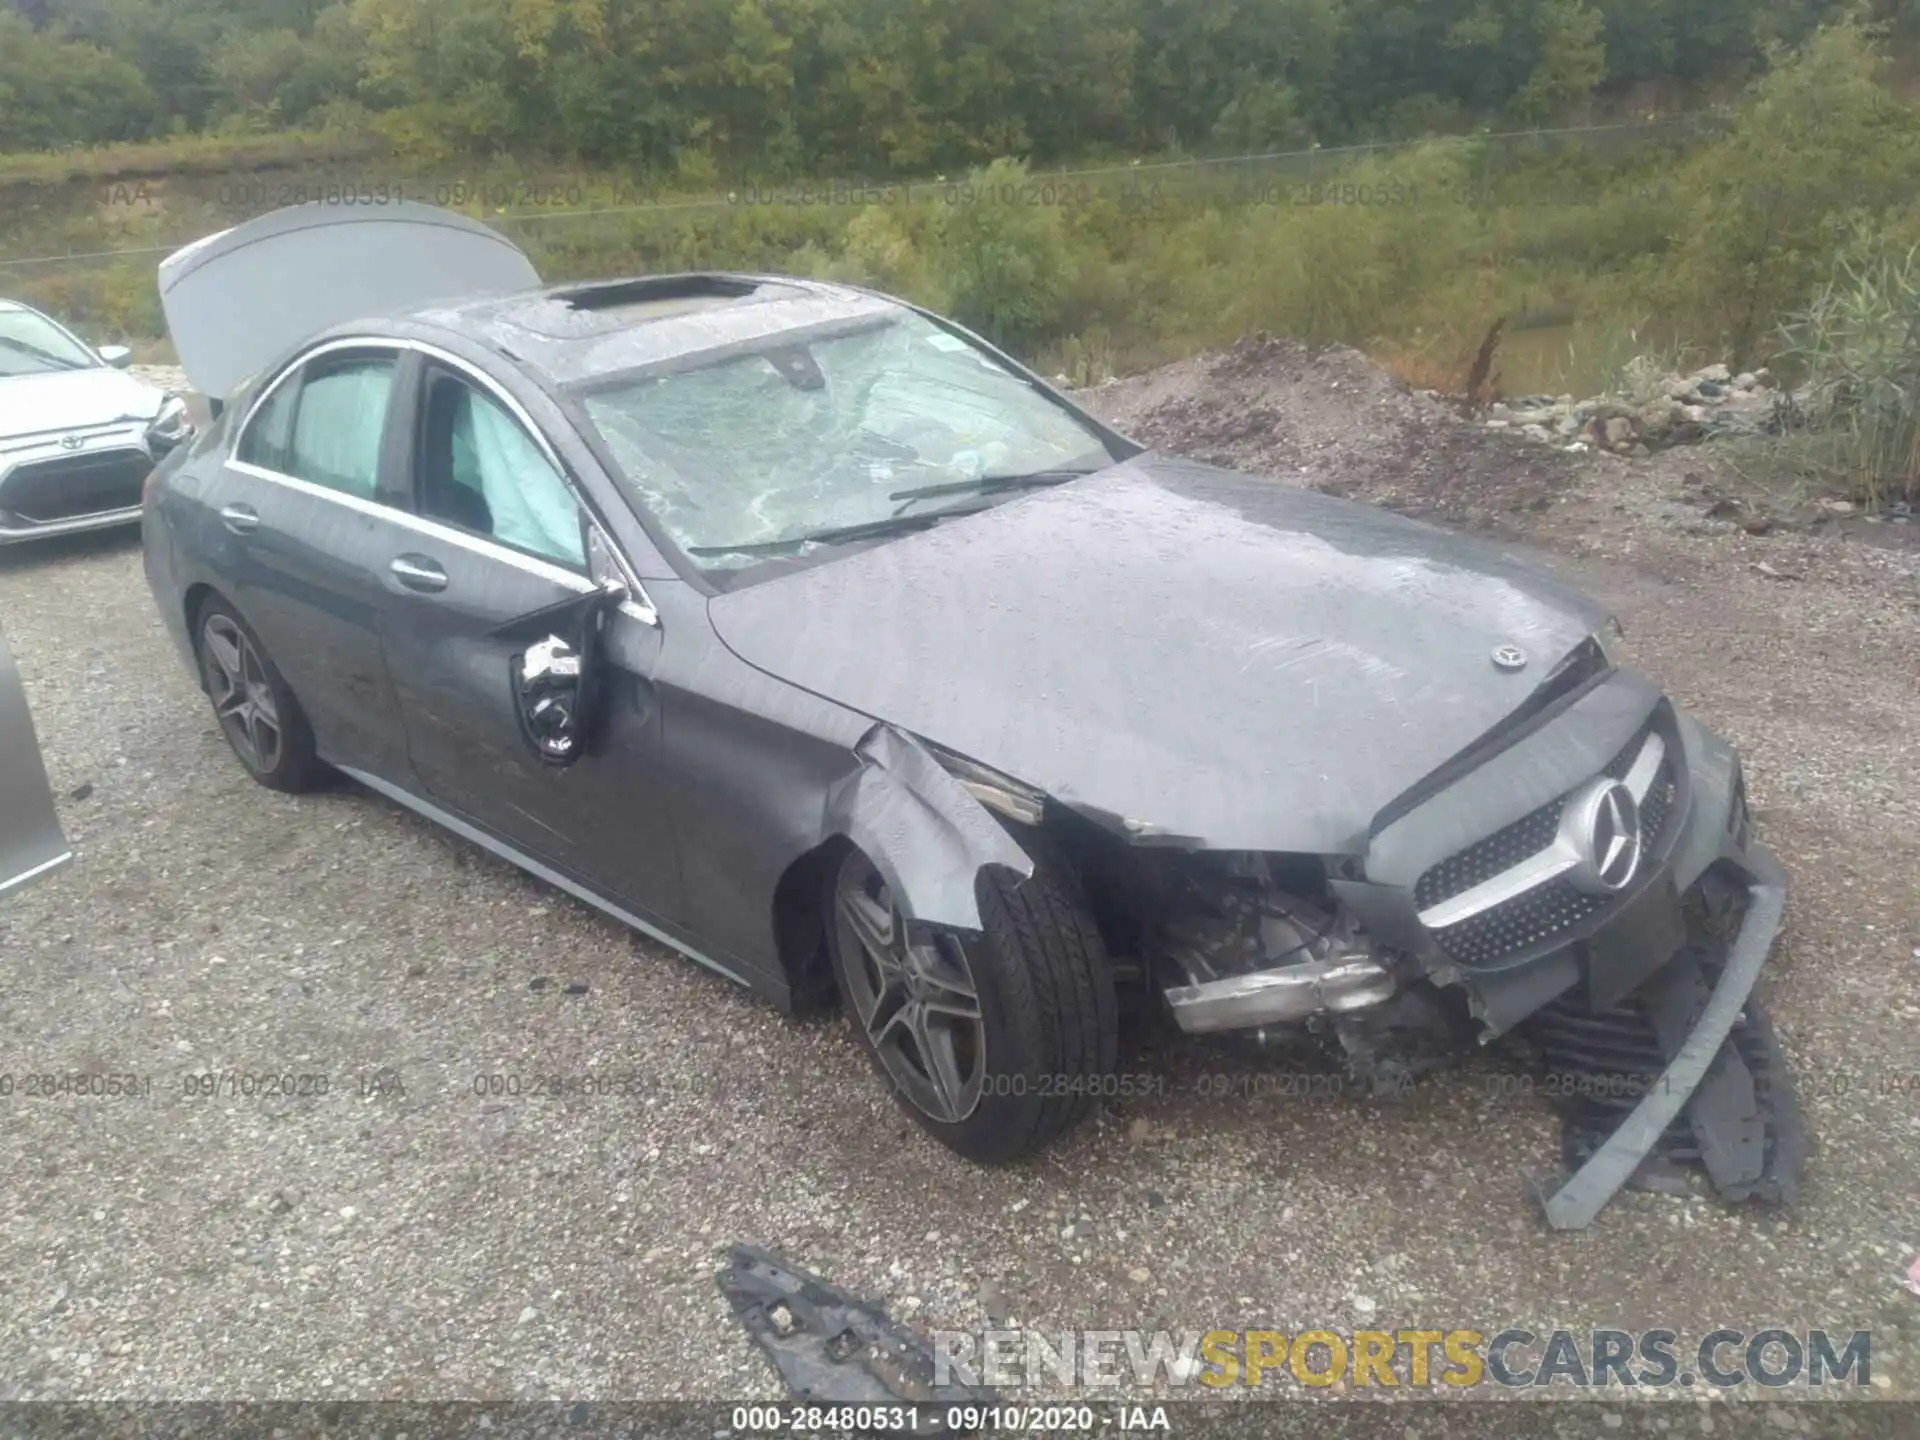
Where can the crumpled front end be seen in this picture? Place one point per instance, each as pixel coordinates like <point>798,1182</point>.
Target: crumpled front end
<point>1594,888</point>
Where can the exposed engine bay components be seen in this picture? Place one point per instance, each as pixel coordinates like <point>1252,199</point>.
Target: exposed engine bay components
<point>1652,1063</point>
<point>1248,954</point>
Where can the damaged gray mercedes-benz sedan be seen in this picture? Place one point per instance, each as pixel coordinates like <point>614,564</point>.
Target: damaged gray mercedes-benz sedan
<point>803,630</point>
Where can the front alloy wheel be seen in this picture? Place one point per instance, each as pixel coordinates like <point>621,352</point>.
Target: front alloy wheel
<point>916,1001</point>
<point>994,1041</point>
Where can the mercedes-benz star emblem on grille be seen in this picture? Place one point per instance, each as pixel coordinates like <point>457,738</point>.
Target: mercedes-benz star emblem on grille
<point>1509,657</point>
<point>1601,826</point>
<point>72,442</point>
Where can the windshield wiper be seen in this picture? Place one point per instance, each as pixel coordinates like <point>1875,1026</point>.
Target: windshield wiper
<point>900,522</point>
<point>839,534</point>
<point>988,485</point>
<point>21,346</point>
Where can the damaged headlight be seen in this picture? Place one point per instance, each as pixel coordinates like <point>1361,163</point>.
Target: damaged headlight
<point>999,793</point>
<point>1739,817</point>
<point>1591,658</point>
<point>1607,640</point>
<point>170,428</point>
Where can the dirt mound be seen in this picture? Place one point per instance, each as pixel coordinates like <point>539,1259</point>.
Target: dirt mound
<point>1330,419</point>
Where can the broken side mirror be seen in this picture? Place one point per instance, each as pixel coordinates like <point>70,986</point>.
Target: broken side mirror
<point>550,694</point>
<point>556,675</point>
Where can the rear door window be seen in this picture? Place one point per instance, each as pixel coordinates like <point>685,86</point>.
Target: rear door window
<point>338,423</point>
<point>324,424</point>
<point>266,440</point>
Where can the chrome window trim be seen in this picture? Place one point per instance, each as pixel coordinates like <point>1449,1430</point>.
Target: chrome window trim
<point>638,606</point>
<point>465,540</point>
<point>1543,865</point>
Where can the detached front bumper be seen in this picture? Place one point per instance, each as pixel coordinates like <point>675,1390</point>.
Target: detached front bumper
<point>1640,999</point>
<point>1730,1092</point>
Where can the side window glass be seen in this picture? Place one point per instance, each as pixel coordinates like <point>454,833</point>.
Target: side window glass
<point>480,471</point>
<point>266,441</point>
<point>338,423</point>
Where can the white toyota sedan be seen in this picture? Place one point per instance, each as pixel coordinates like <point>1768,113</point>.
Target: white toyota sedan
<point>77,436</point>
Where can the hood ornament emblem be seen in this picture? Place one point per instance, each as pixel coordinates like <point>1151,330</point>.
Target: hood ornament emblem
<point>72,442</point>
<point>1509,657</point>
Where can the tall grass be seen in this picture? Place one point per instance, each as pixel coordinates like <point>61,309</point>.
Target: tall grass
<point>1857,345</point>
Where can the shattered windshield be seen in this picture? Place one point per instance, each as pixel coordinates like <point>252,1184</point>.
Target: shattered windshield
<point>31,344</point>
<point>833,436</point>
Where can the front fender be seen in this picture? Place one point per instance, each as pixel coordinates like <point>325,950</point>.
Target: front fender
<point>924,833</point>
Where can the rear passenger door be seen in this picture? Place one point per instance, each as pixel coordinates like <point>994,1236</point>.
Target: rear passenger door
<point>305,506</point>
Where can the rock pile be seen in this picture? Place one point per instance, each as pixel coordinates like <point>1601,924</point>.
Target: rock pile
<point>1651,411</point>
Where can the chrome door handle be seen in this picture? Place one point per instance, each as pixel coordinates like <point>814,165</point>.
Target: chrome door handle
<point>240,519</point>
<point>417,572</point>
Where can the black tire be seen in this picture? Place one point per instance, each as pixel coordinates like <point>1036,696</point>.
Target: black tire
<point>1047,1012</point>
<point>250,698</point>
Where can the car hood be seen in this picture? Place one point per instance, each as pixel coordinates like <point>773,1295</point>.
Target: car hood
<point>58,400</point>
<point>238,299</point>
<point>1197,656</point>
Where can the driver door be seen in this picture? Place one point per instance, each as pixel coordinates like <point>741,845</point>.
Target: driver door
<point>500,535</point>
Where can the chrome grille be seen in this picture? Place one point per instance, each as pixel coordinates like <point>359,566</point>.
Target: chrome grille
<point>69,486</point>
<point>1522,899</point>
<point>1484,859</point>
<point>1653,809</point>
<point>1518,924</point>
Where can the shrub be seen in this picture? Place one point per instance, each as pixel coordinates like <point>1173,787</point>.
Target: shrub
<point>1002,258</point>
<point>1857,344</point>
<point>1818,138</point>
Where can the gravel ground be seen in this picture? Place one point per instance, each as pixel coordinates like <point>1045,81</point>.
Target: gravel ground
<point>402,1236</point>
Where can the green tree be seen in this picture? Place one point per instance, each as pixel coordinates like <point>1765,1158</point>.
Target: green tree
<point>1572,63</point>
<point>1006,267</point>
<point>1819,141</point>
<point>1203,64</point>
<point>290,76</point>
<point>56,92</point>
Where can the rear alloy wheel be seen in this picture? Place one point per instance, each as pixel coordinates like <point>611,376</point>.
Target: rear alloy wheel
<point>994,1043</point>
<point>257,712</point>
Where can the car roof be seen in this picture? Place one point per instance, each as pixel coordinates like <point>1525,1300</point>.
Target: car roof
<point>578,335</point>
